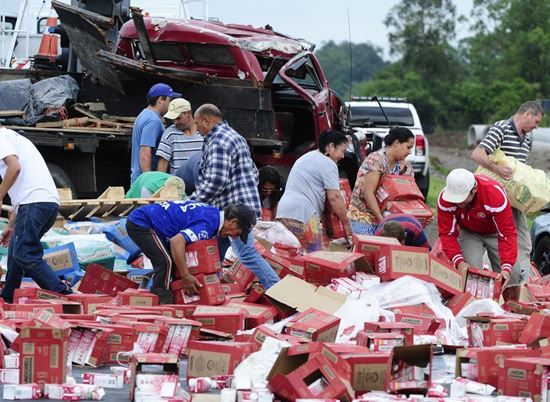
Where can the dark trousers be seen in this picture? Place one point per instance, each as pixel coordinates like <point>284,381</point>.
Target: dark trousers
<point>25,252</point>
<point>151,245</point>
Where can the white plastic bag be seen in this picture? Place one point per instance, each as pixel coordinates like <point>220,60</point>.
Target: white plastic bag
<point>275,232</point>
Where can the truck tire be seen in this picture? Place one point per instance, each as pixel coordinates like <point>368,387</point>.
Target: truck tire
<point>541,255</point>
<point>423,182</point>
<point>61,178</point>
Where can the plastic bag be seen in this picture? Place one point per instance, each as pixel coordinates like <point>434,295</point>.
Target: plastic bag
<point>528,190</point>
<point>275,232</point>
<point>353,314</point>
<point>53,93</point>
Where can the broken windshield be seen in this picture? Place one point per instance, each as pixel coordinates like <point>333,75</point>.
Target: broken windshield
<point>372,115</point>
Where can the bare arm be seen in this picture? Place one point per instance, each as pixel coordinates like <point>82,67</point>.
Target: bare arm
<point>12,173</point>
<point>368,189</point>
<point>145,158</point>
<point>339,207</point>
<point>479,155</point>
<point>177,248</point>
<point>162,165</point>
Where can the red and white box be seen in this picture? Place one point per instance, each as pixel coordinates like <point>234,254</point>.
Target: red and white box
<point>537,327</point>
<point>149,363</point>
<point>313,324</point>
<point>258,314</point>
<point>366,281</point>
<point>22,391</point>
<point>446,277</point>
<point>121,339</point>
<point>137,297</point>
<point>155,382</point>
<point>9,376</point>
<point>380,342</point>
<point>105,380</point>
<point>368,370</point>
<point>482,283</point>
<point>370,246</point>
<point>407,330</point>
<point>284,266</point>
<point>490,331</point>
<point>211,293</point>
<point>397,187</point>
<point>348,287</point>
<point>202,257</point>
<point>101,280</point>
<point>395,261</point>
<point>221,318</point>
<point>417,208</point>
<point>209,359</point>
<point>331,222</point>
<point>23,295</point>
<point>527,376</point>
<point>90,302</point>
<point>322,266</point>
<point>240,274</point>
<point>458,302</point>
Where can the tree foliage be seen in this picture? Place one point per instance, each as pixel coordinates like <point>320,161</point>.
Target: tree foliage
<point>335,60</point>
<point>485,77</point>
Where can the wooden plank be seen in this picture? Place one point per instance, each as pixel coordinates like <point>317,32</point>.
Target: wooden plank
<point>12,113</point>
<point>76,121</point>
<point>85,211</point>
<point>104,207</point>
<point>124,119</point>
<point>84,111</point>
<point>83,130</point>
<point>67,210</point>
<point>112,192</point>
<point>65,194</point>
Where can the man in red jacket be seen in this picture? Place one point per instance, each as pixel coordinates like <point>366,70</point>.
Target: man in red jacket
<point>478,206</point>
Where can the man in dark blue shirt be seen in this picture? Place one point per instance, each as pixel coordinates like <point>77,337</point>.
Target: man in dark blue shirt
<point>163,230</point>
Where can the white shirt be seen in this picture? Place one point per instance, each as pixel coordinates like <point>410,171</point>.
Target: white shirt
<point>34,183</point>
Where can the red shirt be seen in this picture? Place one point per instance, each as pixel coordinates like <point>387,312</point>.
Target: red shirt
<point>488,213</point>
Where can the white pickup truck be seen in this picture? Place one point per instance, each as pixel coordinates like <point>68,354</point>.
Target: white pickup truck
<point>369,122</point>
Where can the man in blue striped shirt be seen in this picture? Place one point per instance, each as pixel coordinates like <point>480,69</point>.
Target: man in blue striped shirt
<point>512,136</point>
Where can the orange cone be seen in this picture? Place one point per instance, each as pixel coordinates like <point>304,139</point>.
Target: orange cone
<point>49,46</point>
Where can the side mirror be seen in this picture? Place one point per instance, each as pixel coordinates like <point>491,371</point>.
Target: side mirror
<point>428,129</point>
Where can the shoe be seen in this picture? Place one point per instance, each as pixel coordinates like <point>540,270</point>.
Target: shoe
<point>165,295</point>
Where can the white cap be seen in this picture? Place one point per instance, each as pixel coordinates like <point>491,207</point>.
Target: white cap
<point>459,184</point>
<point>177,107</point>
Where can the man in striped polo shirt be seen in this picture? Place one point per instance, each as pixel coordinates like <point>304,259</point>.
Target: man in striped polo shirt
<point>512,137</point>
<point>181,140</point>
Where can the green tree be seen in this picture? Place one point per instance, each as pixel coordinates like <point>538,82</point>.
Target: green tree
<point>335,60</point>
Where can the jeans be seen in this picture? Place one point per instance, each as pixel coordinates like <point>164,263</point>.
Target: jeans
<point>249,256</point>
<point>25,252</point>
<point>363,228</point>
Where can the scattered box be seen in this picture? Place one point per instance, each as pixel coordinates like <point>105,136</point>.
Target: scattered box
<point>62,259</point>
<point>370,246</point>
<point>313,324</point>
<point>397,261</point>
<point>99,279</point>
<point>458,302</point>
<point>221,318</point>
<point>525,377</point>
<point>208,359</point>
<point>152,363</point>
<point>322,266</point>
<point>397,187</point>
<point>445,277</point>
<point>257,314</point>
<point>368,370</point>
<point>407,371</point>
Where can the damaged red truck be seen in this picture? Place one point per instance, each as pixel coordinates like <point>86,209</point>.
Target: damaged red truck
<point>270,87</point>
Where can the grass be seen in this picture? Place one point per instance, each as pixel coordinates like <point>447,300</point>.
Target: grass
<point>436,185</point>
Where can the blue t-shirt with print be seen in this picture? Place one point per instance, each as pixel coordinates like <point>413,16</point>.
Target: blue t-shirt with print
<point>193,220</point>
<point>147,131</point>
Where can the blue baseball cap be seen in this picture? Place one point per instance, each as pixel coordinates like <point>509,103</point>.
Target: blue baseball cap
<point>162,90</point>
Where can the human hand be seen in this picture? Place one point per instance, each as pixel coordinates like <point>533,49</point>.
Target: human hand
<point>191,285</point>
<point>7,234</point>
<point>504,171</point>
<point>462,265</point>
<point>505,277</point>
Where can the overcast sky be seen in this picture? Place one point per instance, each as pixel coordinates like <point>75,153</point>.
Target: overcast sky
<point>314,20</point>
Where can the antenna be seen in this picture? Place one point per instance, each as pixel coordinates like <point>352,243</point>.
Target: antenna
<point>350,58</point>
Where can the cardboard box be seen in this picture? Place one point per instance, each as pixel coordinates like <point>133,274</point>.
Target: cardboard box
<point>366,281</point>
<point>490,359</point>
<point>397,187</point>
<point>291,294</point>
<point>290,378</point>
<point>445,277</point>
<point>314,348</point>
<point>43,355</point>
<point>203,257</point>
<point>150,337</point>
<point>537,327</point>
<point>332,224</point>
<point>257,313</point>
<point>482,283</point>
<point>208,359</point>
<point>221,318</point>
<point>417,208</point>
<point>241,275</point>
<point>397,261</point>
<point>423,325</point>
<point>262,332</point>
<point>407,371</point>
<point>368,370</point>
<point>407,330</point>
<point>22,391</point>
<point>91,347</point>
<point>458,302</point>
<point>487,331</point>
<point>149,363</point>
<point>89,302</point>
<point>380,342</point>
<point>284,266</point>
<point>24,295</point>
<point>121,339</point>
<point>137,297</point>
<point>101,280</point>
<point>322,266</point>
<point>62,259</point>
<point>348,287</point>
<point>370,246</point>
<point>233,289</point>
<point>313,324</point>
<point>525,377</point>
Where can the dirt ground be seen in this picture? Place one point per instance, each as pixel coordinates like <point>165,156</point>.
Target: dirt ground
<point>450,151</point>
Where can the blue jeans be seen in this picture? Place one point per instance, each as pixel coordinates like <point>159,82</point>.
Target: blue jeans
<point>249,256</point>
<point>25,251</point>
<point>363,228</point>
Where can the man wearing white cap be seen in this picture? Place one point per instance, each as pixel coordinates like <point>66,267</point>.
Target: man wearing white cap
<point>181,140</point>
<point>474,216</point>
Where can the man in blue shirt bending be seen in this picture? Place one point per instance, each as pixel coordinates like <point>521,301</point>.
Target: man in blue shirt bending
<point>163,230</point>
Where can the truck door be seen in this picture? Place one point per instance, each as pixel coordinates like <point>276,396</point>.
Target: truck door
<point>303,74</point>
